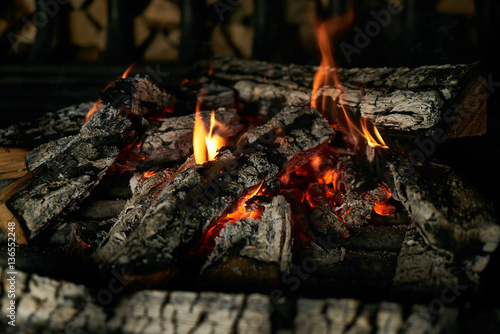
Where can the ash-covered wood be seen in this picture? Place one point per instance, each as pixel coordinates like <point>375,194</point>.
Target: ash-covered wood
<point>54,306</point>
<point>170,140</point>
<point>449,99</point>
<point>67,179</point>
<point>202,194</point>
<point>252,251</point>
<point>165,141</point>
<point>146,193</point>
<point>448,213</point>
<point>422,270</point>
<point>140,94</point>
<point>51,126</point>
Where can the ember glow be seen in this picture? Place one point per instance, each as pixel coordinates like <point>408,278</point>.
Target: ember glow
<point>206,144</point>
<point>382,208</point>
<point>98,104</point>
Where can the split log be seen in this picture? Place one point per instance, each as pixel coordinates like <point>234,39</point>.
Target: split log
<point>65,180</point>
<point>252,251</point>
<point>47,305</point>
<point>146,193</point>
<point>449,214</point>
<point>444,99</point>
<point>202,194</point>
<point>423,271</point>
<point>12,163</point>
<point>51,126</point>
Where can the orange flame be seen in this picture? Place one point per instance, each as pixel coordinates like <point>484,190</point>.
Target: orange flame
<point>206,144</point>
<point>98,104</point>
<point>241,210</point>
<point>326,75</point>
<point>148,174</point>
<point>382,208</point>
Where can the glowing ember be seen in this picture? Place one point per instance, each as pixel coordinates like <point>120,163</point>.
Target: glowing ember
<point>205,144</point>
<point>381,206</point>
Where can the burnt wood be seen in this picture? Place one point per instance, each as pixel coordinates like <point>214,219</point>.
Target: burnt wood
<point>56,306</point>
<point>449,214</point>
<point>420,101</point>
<point>252,251</point>
<point>67,178</point>
<point>202,194</point>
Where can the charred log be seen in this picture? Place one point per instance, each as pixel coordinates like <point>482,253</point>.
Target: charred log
<point>67,178</point>
<point>450,215</point>
<point>444,99</point>
<point>252,251</point>
<point>202,194</point>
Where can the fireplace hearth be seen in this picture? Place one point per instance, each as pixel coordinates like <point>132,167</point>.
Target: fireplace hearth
<point>249,186</point>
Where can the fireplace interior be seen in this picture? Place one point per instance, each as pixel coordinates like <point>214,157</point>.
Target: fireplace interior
<point>249,166</point>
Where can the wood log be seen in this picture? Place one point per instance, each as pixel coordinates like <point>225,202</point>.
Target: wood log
<point>423,271</point>
<point>165,142</point>
<point>202,194</point>
<point>68,178</point>
<point>12,163</point>
<point>252,251</point>
<point>449,99</point>
<point>44,304</point>
<point>51,126</point>
<point>449,214</point>
<point>146,193</point>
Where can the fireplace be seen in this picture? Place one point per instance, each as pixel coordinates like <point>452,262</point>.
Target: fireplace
<point>344,193</point>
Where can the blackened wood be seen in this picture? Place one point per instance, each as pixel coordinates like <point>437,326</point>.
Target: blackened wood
<point>69,177</point>
<point>252,251</point>
<point>145,195</point>
<point>140,94</point>
<point>51,126</point>
<point>448,213</point>
<point>165,142</point>
<point>202,194</point>
<point>404,101</point>
<point>170,140</point>
<point>423,272</point>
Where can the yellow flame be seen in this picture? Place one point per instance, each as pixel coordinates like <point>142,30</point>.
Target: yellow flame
<point>206,144</point>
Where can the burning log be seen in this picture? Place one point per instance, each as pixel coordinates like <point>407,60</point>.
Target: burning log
<point>253,251</point>
<point>427,100</point>
<point>202,194</point>
<point>450,215</point>
<point>146,193</point>
<point>66,179</point>
<point>165,141</point>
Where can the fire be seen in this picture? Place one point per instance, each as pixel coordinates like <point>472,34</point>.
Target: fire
<point>98,104</point>
<point>241,210</point>
<point>327,76</point>
<point>206,144</point>
<point>382,208</point>
<point>148,174</point>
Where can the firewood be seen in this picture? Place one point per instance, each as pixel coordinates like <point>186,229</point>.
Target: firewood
<point>252,251</point>
<point>424,271</point>
<point>165,142</point>
<point>68,177</point>
<point>202,194</point>
<point>135,209</point>
<point>449,99</point>
<point>51,126</point>
<point>450,215</point>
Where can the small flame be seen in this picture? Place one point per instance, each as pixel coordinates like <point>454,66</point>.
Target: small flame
<point>98,104</point>
<point>241,210</point>
<point>326,75</point>
<point>382,208</point>
<point>206,144</point>
<point>148,174</point>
